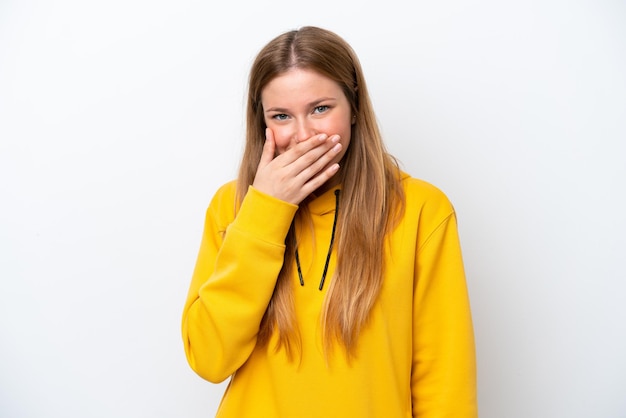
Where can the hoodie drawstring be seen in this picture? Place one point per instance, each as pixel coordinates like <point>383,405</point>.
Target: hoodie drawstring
<point>330,247</point>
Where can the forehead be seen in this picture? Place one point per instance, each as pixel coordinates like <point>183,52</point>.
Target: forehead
<point>300,85</point>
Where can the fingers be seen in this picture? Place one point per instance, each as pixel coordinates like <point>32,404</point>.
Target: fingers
<point>318,180</point>
<point>306,153</point>
<point>269,148</point>
<point>301,148</point>
<point>317,159</point>
<point>297,172</point>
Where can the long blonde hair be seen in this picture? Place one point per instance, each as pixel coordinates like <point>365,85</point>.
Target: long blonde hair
<point>371,197</point>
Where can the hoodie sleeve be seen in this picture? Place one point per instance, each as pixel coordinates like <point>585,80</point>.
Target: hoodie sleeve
<point>233,280</point>
<point>444,375</point>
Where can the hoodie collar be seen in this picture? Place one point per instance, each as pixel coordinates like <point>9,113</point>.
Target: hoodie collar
<point>324,203</point>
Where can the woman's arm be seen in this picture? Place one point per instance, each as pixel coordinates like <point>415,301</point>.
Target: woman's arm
<point>233,280</point>
<point>444,371</point>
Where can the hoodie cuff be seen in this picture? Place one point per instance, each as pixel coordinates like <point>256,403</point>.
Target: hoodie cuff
<point>264,217</point>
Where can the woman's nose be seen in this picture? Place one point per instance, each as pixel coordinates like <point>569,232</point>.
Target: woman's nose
<point>304,130</point>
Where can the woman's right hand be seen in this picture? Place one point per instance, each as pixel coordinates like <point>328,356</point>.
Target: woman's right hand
<point>299,171</point>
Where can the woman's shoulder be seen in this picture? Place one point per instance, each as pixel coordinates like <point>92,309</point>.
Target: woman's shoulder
<point>421,189</point>
<point>226,189</point>
<point>425,195</point>
<point>224,200</point>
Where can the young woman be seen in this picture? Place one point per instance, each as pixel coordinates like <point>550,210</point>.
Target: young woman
<point>329,283</point>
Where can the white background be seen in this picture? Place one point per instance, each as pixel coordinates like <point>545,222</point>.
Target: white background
<point>119,119</point>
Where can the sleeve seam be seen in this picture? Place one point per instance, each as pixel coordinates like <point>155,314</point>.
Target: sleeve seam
<point>254,237</point>
<point>439,226</point>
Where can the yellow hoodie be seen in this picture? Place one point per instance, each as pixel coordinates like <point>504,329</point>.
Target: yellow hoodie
<point>415,356</point>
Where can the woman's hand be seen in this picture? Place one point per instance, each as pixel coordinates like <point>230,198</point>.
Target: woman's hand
<point>296,173</point>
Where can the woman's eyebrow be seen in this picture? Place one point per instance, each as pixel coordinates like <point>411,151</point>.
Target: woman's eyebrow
<point>311,104</point>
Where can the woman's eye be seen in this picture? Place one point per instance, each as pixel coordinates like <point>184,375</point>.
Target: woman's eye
<point>320,109</point>
<point>280,116</point>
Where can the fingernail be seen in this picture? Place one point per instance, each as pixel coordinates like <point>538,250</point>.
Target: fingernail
<point>335,138</point>
<point>323,137</point>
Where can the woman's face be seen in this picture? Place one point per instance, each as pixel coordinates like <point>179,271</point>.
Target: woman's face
<point>301,103</point>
